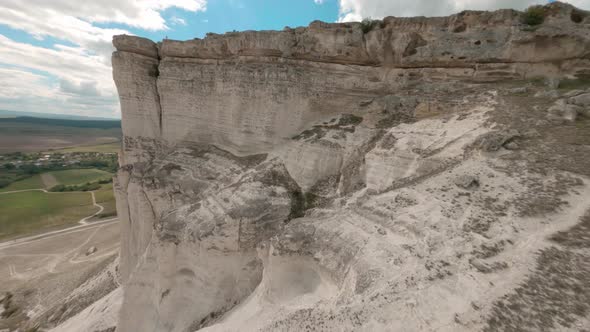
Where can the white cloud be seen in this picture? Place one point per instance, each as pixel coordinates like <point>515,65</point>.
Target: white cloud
<point>583,4</point>
<point>82,70</point>
<point>177,20</point>
<point>64,79</point>
<point>84,88</point>
<point>20,83</point>
<point>356,10</point>
<point>73,64</point>
<point>142,14</point>
<point>25,91</point>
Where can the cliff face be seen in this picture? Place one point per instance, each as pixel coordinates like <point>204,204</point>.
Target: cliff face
<point>247,92</point>
<point>333,178</point>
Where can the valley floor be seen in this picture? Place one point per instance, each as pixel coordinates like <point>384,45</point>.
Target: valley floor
<point>41,273</point>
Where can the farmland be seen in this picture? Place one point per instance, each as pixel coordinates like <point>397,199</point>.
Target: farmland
<point>35,211</point>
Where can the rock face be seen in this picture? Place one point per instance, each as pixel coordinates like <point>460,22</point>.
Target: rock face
<point>333,178</point>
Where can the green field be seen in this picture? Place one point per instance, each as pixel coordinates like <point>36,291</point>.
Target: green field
<point>66,177</point>
<point>106,198</point>
<point>79,176</point>
<point>34,211</point>
<point>101,148</point>
<point>33,182</point>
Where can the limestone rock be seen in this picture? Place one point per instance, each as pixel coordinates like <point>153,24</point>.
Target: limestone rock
<point>582,100</point>
<point>583,103</point>
<point>315,178</point>
<point>467,182</point>
<point>136,45</point>
<point>553,94</point>
<point>563,112</point>
<point>91,250</point>
<point>495,140</point>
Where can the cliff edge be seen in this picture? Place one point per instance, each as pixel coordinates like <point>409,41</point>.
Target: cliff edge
<point>412,174</point>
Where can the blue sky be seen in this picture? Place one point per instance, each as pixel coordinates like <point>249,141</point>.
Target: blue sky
<point>55,55</point>
<point>228,15</point>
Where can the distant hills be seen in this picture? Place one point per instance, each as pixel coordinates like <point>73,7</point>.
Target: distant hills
<point>31,134</point>
<point>12,114</point>
<point>100,124</point>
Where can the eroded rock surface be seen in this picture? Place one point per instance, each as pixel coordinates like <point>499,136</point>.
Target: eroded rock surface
<point>328,179</point>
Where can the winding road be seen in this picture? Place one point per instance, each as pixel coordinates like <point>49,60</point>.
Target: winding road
<point>83,223</point>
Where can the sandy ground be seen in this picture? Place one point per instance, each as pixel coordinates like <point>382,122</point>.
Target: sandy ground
<point>43,270</point>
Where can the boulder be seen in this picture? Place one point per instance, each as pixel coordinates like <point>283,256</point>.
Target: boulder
<point>467,182</point>
<point>562,112</point>
<point>91,250</point>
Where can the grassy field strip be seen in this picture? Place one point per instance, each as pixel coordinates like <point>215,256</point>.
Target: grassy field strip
<point>44,191</point>
<point>48,180</point>
<point>101,148</point>
<point>84,221</point>
<point>30,211</point>
<point>79,176</point>
<point>33,182</point>
<point>21,191</point>
<point>65,177</point>
<point>106,198</point>
<point>27,209</point>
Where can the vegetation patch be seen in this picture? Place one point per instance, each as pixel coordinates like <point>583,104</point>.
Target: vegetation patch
<point>19,171</point>
<point>534,15</point>
<point>369,24</point>
<point>81,176</point>
<point>106,197</point>
<point>573,84</point>
<point>89,186</point>
<point>556,294</point>
<point>31,182</point>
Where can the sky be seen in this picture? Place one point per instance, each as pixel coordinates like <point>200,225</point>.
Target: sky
<point>55,54</point>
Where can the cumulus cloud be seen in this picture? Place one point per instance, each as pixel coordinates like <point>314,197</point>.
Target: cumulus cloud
<point>23,90</point>
<point>356,10</point>
<point>71,63</point>
<point>82,67</point>
<point>17,83</point>
<point>85,88</point>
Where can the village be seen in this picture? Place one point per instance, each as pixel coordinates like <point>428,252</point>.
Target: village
<point>19,165</point>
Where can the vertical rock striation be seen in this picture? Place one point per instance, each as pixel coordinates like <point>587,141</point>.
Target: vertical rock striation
<point>304,179</point>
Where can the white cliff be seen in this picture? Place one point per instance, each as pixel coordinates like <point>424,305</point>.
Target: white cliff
<point>326,178</point>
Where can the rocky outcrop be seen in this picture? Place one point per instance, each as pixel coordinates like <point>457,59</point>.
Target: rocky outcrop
<point>253,90</point>
<point>305,179</point>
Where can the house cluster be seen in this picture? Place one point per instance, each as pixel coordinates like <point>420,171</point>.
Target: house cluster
<point>55,159</point>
